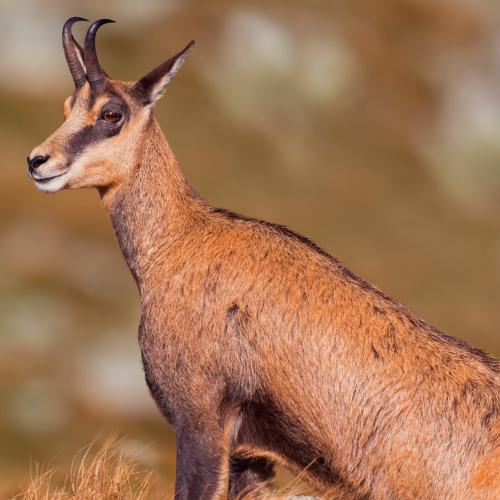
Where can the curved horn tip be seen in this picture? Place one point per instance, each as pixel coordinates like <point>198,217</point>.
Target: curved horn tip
<point>73,20</point>
<point>100,22</point>
<point>91,32</point>
<point>95,73</point>
<point>72,51</point>
<point>77,18</point>
<point>69,24</point>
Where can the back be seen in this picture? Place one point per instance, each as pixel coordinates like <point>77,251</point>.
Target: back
<point>374,394</point>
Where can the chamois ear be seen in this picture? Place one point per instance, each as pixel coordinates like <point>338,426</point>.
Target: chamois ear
<point>151,86</point>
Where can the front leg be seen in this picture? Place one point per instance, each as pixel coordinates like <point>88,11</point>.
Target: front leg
<point>249,477</point>
<point>202,464</point>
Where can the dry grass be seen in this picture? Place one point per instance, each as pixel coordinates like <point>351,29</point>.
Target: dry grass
<point>104,473</point>
<point>291,491</point>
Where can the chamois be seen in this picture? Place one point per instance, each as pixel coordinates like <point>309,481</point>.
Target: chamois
<point>258,346</point>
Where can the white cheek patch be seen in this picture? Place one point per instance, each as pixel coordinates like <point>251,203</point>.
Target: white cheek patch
<point>100,164</point>
<point>53,185</point>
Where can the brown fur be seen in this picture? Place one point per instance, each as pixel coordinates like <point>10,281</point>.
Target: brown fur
<point>258,345</point>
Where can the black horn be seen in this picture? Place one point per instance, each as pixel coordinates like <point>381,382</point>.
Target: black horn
<point>95,74</point>
<point>73,52</point>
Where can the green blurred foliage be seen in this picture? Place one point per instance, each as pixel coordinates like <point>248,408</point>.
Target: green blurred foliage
<point>371,127</point>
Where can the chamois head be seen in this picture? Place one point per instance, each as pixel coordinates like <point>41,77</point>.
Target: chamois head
<point>104,119</point>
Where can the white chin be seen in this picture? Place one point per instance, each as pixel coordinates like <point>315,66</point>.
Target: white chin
<point>52,185</point>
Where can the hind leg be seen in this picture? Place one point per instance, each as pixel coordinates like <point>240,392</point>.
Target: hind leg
<point>249,477</point>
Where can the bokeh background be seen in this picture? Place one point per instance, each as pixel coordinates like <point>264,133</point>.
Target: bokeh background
<point>371,127</point>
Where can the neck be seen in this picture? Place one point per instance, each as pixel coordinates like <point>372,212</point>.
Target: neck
<point>153,207</point>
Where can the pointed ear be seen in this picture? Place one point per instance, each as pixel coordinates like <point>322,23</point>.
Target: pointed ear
<point>151,86</point>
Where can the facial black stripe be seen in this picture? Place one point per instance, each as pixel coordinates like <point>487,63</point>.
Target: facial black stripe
<point>101,130</point>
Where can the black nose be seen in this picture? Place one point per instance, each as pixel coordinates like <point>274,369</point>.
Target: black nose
<point>36,161</point>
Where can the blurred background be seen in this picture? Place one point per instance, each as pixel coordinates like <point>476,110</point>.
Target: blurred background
<point>371,127</point>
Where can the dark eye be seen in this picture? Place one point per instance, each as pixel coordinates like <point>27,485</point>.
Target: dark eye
<point>111,116</point>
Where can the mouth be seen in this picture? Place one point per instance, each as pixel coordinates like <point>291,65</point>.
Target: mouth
<point>50,183</point>
<point>43,180</point>
<point>46,179</point>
